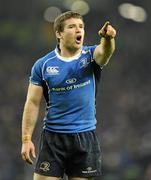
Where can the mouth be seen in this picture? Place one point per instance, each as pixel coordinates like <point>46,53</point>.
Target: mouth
<point>78,39</point>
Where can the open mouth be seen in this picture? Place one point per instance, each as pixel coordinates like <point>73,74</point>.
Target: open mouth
<point>78,39</point>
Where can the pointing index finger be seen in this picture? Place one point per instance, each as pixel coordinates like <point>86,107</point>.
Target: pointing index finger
<point>106,24</point>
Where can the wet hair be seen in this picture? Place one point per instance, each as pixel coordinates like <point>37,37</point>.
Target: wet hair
<point>59,21</point>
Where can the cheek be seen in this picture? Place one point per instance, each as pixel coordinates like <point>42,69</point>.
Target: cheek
<point>69,34</point>
<point>69,37</point>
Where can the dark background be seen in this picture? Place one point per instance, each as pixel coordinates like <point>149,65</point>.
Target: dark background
<point>124,99</point>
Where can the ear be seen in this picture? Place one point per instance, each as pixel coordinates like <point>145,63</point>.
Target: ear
<point>58,35</point>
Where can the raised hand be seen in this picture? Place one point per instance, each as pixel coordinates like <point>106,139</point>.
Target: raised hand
<point>107,31</point>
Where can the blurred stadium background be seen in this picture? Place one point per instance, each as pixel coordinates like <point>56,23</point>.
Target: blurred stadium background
<point>124,100</point>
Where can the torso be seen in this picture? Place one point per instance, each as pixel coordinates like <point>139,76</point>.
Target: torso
<point>69,88</point>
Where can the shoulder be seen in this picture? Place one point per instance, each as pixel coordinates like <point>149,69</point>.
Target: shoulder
<point>89,48</point>
<point>42,60</point>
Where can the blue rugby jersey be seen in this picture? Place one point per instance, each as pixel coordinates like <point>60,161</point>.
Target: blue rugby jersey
<point>69,86</point>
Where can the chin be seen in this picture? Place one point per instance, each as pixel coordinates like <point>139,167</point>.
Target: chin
<point>78,46</point>
<point>75,47</point>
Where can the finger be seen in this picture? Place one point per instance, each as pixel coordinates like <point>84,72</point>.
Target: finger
<point>26,157</point>
<point>23,157</point>
<point>29,161</point>
<point>33,153</point>
<point>106,25</point>
<point>103,30</point>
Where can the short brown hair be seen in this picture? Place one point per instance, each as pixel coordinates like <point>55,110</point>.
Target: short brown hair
<point>59,21</point>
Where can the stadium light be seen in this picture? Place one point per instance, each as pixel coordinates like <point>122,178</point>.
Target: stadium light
<point>51,13</point>
<point>79,6</point>
<point>133,12</point>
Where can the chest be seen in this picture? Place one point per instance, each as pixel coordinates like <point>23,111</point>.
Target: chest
<point>61,74</point>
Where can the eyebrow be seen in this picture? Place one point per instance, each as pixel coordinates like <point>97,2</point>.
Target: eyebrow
<point>75,24</point>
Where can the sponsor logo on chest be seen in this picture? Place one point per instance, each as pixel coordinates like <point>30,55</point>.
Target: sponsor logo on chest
<point>71,81</point>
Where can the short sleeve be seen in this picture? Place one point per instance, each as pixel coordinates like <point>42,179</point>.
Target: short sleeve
<point>96,68</point>
<point>36,73</point>
<point>92,48</point>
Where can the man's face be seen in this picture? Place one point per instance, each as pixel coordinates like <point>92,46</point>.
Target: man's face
<point>73,34</point>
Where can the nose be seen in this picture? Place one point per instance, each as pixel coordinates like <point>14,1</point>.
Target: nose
<point>78,29</point>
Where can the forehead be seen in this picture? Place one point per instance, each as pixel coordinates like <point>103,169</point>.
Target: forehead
<point>73,21</point>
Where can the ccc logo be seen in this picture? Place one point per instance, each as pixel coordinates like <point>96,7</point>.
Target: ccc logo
<point>71,81</point>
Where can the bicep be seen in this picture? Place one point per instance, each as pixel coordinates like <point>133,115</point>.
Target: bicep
<point>34,94</point>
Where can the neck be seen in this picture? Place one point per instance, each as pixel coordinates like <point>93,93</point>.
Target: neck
<point>69,52</point>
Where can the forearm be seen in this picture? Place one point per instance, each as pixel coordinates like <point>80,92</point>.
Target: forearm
<point>106,49</point>
<point>30,116</point>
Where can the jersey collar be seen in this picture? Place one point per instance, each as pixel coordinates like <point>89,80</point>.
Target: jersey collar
<point>67,59</point>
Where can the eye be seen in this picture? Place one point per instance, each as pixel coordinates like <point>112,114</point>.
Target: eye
<point>81,26</point>
<point>71,26</point>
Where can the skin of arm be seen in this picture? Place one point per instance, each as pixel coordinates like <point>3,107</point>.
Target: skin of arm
<point>105,49</point>
<point>30,116</point>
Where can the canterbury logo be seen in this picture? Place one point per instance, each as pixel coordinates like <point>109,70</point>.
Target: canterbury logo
<point>52,70</point>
